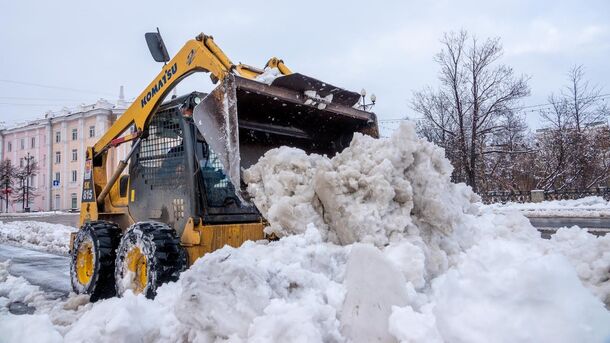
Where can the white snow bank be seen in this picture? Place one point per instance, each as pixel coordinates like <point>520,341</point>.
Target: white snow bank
<point>505,291</point>
<point>377,244</point>
<point>53,238</point>
<point>585,207</point>
<point>36,214</point>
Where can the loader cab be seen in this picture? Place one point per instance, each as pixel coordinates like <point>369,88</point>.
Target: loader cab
<point>174,174</point>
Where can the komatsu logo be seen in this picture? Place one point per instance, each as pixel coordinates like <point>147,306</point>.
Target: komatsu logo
<point>157,88</point>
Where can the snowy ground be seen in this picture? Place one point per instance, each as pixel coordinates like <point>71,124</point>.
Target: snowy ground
<point>376,245</point>
<point>589,207</point>
<point>53,238</point>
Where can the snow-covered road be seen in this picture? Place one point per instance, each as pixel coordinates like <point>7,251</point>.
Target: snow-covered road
<point>50,272</point>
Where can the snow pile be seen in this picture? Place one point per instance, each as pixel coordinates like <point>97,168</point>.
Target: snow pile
<point>268,75</point>
<point>376,191</point>
<point>585,207</point>
<point>458,260</point>
<point>590,256</point>
<point>53,238</point>
<point>377,245</point>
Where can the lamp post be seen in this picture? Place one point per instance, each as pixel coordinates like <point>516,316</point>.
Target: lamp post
<point>364,106</point>
<point>27,184</point>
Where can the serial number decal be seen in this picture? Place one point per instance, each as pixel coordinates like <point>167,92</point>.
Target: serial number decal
<point>88,195</point>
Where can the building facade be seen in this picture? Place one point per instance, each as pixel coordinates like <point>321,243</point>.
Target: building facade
<point>19,142</point>
<point>58,144</point>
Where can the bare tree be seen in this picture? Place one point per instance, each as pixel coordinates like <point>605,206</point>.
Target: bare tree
<point>573,152</point>
<point>474,95</point>
<point>26,192</point>
<point>7,173</point>
<point>508,157</point>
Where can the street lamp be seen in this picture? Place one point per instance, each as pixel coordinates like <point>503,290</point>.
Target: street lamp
<point>364,106</point>
<point>27,184</point>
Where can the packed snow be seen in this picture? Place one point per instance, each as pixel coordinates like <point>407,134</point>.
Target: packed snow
<point>376,244</point>
<point>584,208</point>
<point>54,238</point>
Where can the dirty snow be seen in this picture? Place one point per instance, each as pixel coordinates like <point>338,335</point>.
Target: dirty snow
<point>588,207</point>
<point>54,238</point>
<point>376,244</point>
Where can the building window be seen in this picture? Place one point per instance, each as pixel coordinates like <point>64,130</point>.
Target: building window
<point>22,143</point>
<point>33,142</point>
<point>57,202</point>
<point>57,157</point>
<point>74,154</point>
<point>74,200</point>
<point>74,177</point>
<point>57,137</point>
<point>21,162</point>
<point>9,147</point>
<point>74,134</point>
<point>58,176</point>
<point>91,131</point>
<point>44,179</point>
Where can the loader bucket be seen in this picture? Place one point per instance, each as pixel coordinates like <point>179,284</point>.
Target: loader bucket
<point>241,119</point>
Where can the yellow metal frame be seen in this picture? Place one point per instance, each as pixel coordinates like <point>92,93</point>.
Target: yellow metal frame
<point>197,55</point>
<point>200,239</point>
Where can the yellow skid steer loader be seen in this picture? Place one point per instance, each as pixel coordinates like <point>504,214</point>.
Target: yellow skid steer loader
<point>178,194</point>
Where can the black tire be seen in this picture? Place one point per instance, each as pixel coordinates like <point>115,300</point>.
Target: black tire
<point>99,239</point>
<point>164,259</point>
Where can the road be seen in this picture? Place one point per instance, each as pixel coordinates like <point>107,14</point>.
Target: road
<point>50,272</point>
<point>69,219</point>
<point>548,225</point>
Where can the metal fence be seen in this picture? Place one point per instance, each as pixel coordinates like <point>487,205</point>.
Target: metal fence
<point>502,197</point>
<point>526,196</point>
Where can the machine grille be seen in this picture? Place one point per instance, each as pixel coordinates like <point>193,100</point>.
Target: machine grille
<point>161,155</point>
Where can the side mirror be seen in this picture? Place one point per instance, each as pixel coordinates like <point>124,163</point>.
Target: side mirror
<point>156,46</point>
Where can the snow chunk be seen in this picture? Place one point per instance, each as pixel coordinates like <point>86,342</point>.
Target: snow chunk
<point>268,75</point>
<point>373,286</point>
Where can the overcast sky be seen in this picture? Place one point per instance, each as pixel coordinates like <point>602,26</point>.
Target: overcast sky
<point>385,47</point>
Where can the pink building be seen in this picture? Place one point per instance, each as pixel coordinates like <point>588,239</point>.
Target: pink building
<point>15,145</point>
<point>58,144</point>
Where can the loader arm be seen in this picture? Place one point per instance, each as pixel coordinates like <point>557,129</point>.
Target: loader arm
<point>197,55</point>
<point>275,110</point>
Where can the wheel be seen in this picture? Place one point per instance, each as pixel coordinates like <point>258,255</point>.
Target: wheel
<point>148,256</point>
<point>92,259</point>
